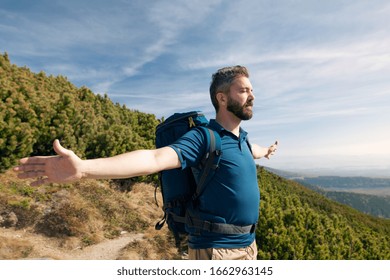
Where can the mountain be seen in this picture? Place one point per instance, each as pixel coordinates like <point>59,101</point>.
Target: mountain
<point>295,222</point>
<point>349,183</point>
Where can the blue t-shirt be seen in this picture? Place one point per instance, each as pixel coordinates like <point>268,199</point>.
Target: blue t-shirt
<point>233,195</point>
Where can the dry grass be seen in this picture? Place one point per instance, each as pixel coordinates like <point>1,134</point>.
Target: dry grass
<point>80,215</point>
<point>155,245</point>
<point>13,248</point>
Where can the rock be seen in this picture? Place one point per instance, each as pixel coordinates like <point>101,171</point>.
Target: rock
<point>8,219</point>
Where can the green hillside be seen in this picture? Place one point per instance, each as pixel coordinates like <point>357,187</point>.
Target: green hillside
<point>298,223</point>
<point>295,222</point>
<point>35,109</point>
<point>375,205</point>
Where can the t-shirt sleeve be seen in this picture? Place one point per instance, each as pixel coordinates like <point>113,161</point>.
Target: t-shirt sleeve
<point>190,148</point>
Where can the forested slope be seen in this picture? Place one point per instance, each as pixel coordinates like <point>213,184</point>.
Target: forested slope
<point>35,109</point>
<point>298,223</point>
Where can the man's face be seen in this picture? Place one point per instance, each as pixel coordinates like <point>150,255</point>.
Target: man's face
<point>240,98</point>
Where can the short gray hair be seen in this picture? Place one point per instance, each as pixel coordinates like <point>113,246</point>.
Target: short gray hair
<point>222,80</point>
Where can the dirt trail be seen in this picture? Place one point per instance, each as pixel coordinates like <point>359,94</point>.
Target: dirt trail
<point>50,248</point>
<point>106,250</point>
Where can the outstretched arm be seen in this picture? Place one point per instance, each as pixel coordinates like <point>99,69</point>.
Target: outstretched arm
<point>259,152</point>
<point>68,167</point>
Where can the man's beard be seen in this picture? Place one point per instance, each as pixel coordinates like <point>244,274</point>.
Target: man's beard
<point>240,111</point>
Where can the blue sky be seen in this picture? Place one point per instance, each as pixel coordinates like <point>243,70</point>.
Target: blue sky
<point>320,69</point>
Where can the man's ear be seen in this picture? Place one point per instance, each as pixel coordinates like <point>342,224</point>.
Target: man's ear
<point>221,98</point>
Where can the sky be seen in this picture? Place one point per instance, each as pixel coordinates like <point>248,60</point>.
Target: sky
<point>320,69</point>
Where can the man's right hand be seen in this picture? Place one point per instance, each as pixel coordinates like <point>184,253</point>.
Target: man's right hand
<point>62,168</point>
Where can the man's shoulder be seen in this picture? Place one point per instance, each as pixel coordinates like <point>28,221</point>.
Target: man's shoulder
<point>193,138</point>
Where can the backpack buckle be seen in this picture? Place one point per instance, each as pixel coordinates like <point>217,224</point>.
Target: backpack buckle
<point>207,226</point>
<point>191,122</point>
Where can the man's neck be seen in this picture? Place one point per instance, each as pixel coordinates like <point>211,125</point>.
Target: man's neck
<point>229,122</point>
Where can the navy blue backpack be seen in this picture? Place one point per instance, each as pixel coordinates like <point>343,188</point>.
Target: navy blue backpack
<point>181,187</point>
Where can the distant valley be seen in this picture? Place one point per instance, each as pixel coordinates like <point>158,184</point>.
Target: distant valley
<point>368,195</point>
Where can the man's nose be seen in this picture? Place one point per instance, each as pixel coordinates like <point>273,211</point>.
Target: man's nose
<point>252,96</point>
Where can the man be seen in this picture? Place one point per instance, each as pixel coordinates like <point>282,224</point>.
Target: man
<point>233,195</point>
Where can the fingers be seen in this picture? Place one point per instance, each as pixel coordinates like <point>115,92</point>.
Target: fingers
<point>27,171</point>
<point>269,155</point>
<point>32,160</point>
<point>31,167</point>
<point>31,174</point>
<point>272,149</point>
<point>34,171</point>
<point>31,164</point>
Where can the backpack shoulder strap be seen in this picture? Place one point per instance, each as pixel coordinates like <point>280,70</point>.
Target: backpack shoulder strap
<point>211,159</point>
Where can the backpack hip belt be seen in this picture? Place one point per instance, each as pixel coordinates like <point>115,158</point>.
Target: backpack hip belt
<point>220,228</point>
